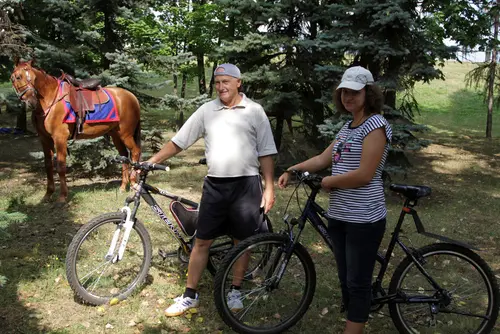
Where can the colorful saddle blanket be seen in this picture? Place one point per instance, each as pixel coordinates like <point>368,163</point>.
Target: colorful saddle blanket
<point>98,106</point>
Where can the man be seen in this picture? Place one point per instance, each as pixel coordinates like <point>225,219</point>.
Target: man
<point>238,139</point>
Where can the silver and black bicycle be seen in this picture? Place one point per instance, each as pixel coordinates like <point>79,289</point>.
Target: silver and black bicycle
<point>110,256</point>
<point>444,287</point>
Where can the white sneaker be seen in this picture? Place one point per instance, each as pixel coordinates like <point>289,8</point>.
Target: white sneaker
<point>181,305</point>
<point>234,300</point>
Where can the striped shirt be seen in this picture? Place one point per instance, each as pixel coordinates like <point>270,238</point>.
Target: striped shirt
<point>364,204</point>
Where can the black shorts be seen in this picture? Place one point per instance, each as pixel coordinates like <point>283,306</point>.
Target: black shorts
<point>230,205</point>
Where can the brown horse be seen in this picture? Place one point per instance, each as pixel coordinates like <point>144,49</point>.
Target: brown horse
<point>42,92</point>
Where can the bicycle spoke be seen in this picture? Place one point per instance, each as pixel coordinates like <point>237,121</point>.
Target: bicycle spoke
<point>264,305</point>
<point>99,278</point>
<point>463,305</point>
<point>93,271</point>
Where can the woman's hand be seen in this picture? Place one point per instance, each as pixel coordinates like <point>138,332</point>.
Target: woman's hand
<point>327,183</point>
<point>283,180</point>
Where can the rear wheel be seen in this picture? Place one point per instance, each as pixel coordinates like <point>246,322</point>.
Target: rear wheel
<point>467,303</point>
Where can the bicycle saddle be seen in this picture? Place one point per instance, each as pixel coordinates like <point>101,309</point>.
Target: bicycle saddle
<point>411,192</point>
<point>187,219</point>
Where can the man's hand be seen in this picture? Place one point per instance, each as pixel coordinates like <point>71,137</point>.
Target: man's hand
<point>283,180</point>
<point>267,199</point>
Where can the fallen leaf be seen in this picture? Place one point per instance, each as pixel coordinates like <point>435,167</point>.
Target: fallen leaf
<point>324,311</point>
<point>101,310</point>
<point>193,310</point>
<point>114,301</point>
<point>131,323</point>
<point>199,319</point>
<point>109,326</point>
<point>189,315</point>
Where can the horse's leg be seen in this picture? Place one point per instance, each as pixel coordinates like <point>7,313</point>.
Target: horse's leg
<point>135,152</point>
<point>122,150</point>
<point>61,145</point>
<point>48,155</point>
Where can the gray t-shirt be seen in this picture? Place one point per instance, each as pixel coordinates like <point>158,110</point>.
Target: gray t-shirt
<point>234,137</point>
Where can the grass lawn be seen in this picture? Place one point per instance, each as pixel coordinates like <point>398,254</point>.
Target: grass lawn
<point>460,166</point>
<point>448,106</point>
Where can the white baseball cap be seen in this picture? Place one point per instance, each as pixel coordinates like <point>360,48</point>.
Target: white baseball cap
<point>356,78</point>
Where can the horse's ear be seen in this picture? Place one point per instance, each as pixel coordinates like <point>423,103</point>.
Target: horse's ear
<point>17,59</point>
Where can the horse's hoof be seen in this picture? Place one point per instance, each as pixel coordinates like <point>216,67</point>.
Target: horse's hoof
<point>61,201</point>
<point>123,189</point>
<point>46,199</point>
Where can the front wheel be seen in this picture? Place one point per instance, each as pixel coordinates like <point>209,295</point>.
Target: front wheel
<point>224,244</point>
<point>467,301</point>
<point>277,293</point>
<point>96,278</point>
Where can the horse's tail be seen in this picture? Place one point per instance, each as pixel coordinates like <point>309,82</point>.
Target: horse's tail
<point>137,137</point>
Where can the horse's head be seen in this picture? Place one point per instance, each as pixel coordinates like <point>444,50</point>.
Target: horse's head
<point>23,80</point>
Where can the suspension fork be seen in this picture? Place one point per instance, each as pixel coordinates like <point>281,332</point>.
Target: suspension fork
<point>126,227</point>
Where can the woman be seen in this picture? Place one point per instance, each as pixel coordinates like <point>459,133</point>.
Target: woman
<point>357,209</point>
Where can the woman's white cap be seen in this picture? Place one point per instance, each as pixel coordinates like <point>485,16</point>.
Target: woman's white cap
<point>356,78</point>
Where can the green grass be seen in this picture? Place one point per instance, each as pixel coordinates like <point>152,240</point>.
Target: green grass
<point>452,107</point>
<point>463,173</point>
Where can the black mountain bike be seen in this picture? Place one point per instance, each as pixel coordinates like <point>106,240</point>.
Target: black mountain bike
<point>110,256</point>
<point>440,288</point>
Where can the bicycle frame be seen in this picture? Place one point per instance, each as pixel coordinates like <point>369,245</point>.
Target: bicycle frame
<point>313,212</point>
<point>144,191</point>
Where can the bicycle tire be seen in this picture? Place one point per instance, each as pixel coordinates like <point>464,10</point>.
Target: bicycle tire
<point>215,259</point>
<point>219,284</point>
<point>463,256</point>
<point>85,233</point>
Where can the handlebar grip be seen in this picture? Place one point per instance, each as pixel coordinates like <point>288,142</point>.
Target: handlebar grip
<point>160,167</point>
<point>121,159</point>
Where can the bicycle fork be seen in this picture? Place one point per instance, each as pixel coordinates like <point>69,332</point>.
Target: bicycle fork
<point>127,228</point>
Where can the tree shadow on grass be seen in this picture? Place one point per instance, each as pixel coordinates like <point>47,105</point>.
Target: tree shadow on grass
<point>32,250</point>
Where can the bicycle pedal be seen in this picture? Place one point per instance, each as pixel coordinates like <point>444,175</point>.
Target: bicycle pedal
<point>164,255</point>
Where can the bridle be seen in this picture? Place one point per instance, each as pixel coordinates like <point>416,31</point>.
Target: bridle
<point>29,85</point>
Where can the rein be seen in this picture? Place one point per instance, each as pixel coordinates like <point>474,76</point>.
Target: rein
<point>29,86</point>
<point>55,101</point>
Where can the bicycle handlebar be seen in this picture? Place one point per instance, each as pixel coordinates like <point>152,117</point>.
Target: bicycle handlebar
<point>143,166</point>
<point>312,180</point>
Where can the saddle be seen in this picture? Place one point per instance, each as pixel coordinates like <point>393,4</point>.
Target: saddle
<point>90,84</point>
<point>187,219</point>
<point>83,96</point>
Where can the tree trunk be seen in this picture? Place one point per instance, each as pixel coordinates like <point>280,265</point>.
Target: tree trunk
<point>183,87</point>
<point>202,83</point>
<point>390,98</point>
<point>180,121</point>
<point>212,80</point>
<point>491,83</point>
<point>21,119</point>
<point>278,132</point>
<point>111,41</point>
<point>176,79</point>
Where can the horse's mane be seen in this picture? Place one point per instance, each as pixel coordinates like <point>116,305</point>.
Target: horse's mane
<point>30,63</point>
